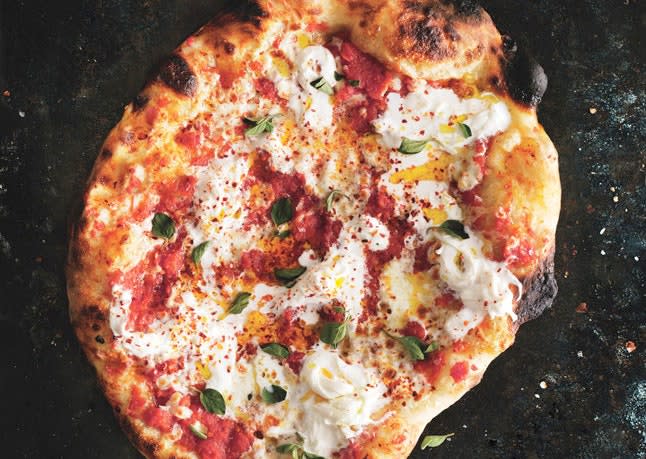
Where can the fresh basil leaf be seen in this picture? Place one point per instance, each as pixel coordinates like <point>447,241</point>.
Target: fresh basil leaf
<point>333,333</point>
<point>411,147</point>
<point>322,86</point>
<point>434,346</point>
<point>197,430</point>
<point>283,234</point>
<point>288,276</point>
<point>163,226</point>
<point>282,211</point>
<point>239,303</point>
<point>307,455</point>
<point>287,448</point>
<point>465,130</point>
<point>275,349</point>
<point>329,201</point>
<point>338,76</point>
<point>354,83</point>
<point>454,228</point>
<point>198,251</point>
<point>259,126</point>
<point>433,441</point>
<point>212,401</point>
<point>273,394</point>
<point>413,346</point>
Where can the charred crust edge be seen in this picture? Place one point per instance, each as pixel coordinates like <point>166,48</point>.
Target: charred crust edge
<point>178,75</point>
<point>248,11</point>
<point>140,101</point>
<point>431,29</point>
<point>526,79</point>
<point>539,291</point>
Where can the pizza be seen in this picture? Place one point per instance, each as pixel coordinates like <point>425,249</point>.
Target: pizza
<point>314,228</point>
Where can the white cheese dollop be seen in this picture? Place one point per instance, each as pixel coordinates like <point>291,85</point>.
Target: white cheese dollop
<point>332,403</point>
<point>314,62</point>
<point>424,114</point>
<point>483,285</point>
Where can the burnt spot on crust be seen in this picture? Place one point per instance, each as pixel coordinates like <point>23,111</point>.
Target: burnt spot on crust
<point>177,74</point>
<point>424,36</point>
<point>140,102</point>
<point>467,9</point>
<point>526,80</point>
<point>93,313</point>
<point>539,291</point>
<point>99,339</point>
<point>248,11</point>
<point>106,153</point>
<point>229,47</point>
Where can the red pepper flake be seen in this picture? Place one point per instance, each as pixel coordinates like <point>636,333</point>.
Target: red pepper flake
<point>631,346</point>
<point>582,308</point>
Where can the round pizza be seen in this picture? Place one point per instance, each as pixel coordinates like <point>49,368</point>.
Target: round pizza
<point>313,230</point>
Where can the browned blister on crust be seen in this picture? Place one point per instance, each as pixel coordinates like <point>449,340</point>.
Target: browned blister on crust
<point>432,39</point>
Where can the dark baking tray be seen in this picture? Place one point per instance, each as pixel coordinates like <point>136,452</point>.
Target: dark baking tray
<point>71,66</point>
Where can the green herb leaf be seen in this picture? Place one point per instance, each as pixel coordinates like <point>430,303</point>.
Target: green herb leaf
<point>296,451</point>
<point>283,234</point>
<point>239,303</point>
<point>333,333</point>
<point>338,76</point>
<point>198,430</point>
<point>288,276</point>
<point>163,226</point>
<point>454,228</point>
<point>434,346</point>
<point>465,130</point>
<point>322,86</point>
<point>282,211</point>
<point>273,394</point>
<point>415,347</point>
<point>287,448</point>
<point>354,83</point>
<point>433,441</point>
<point>198,251</point>
<point>259,125</point>
<point>307,455</point>
<point>329,201</point>
<point>411,147</point>
<point>212,401</point>
<point>275,349</point>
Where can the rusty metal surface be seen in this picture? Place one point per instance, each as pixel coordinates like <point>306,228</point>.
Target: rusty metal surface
<point>71,66</point>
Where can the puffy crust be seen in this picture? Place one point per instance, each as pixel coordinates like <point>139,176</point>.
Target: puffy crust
<point>431,39</point>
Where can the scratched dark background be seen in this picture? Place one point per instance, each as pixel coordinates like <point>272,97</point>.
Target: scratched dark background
<point>71,66</point>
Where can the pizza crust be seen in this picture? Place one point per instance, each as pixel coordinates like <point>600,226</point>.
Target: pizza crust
<point>431,40</point>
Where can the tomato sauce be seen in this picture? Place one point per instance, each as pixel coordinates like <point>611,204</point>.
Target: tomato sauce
<point>459,371</point>
<point>175,197</point>
<point>151,287</point>
<point>267,89</point>
<point>432,366</point>
<point>226,439</point>
<point>373,77</point>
